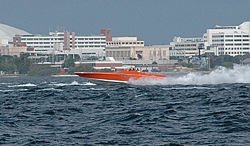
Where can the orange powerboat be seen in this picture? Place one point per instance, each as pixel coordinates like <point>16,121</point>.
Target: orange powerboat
<point>123,76</point>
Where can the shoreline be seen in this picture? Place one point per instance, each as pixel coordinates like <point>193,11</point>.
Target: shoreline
<point>64,75</point>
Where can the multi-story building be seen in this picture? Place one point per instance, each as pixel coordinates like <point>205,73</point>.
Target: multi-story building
<point>220,40</point>
<point>156,52</point>
<point>12,50</point>
<point>185,47</point>
<point>229,40</point>
<point>63,43</point>
<point>124,42</point>
<point>127,48</point>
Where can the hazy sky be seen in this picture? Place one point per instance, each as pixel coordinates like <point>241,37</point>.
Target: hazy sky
<point>154,21</point>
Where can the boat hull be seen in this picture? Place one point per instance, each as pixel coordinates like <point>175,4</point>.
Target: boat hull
<point>120,76</point>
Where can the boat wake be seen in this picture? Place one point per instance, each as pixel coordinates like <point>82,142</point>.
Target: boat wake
<point>239,74</point>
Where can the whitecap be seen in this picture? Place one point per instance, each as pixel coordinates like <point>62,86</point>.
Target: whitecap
<point>24,85</point>
<point>188,88</point>
<point>74,83</point>
<point>88,83</point>
<point>97,89</point>
<point>7,91</point>
<point>5,83</point>
<point>22,89</point>
<point>50,89</point>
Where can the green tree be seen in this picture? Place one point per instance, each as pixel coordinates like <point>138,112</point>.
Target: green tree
<point>92,58</point>
<point>43,71</point>
<point>154,62</point>
<point>8,67</point>
<point>203,69</point>
<point>228,64</point>
<point>84,68</point>
<point>189,65</point>
<point>139,56</point>
<point>22,63</point>
<point>180,61</point>
<point>173,58</point>
<point>68,63</point>
<point>5,58</point>
<point>130,58</point>
<point>223,60</point>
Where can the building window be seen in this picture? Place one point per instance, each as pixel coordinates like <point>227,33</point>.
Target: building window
<point>216,36</point>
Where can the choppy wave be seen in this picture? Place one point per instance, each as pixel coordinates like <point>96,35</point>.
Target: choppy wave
<point>23,85</point>
<point>189,88</point>
<point>78,112</point>
<point>50,89</point>
<point>7,90</point>
<point>74,83</point>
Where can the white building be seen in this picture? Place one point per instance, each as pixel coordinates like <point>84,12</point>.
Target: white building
<point>220,40</point>
<point>185,47</point>
<point>63,43</point>
<point>124,42</point>
<point>8,32</point>
<point>127,48</point>
<point>229,40</point>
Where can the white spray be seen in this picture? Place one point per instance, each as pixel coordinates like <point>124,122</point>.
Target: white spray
<point>239,74</point>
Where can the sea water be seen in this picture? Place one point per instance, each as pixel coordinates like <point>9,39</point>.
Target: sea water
<point>191,109</point>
